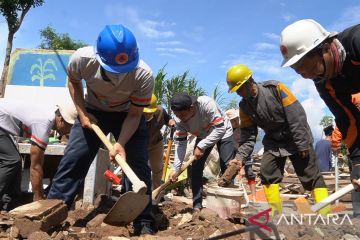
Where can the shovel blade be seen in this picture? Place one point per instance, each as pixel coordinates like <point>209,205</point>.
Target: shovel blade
<point>303,206</point>
<point>127,208</point>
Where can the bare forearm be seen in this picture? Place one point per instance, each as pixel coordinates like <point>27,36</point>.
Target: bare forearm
<point>36,171</point>
<point>36,176</point>
<point>77,95</point>
<point>129,127</point>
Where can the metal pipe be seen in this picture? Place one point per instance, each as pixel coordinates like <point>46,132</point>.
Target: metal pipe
<point>332,198</point>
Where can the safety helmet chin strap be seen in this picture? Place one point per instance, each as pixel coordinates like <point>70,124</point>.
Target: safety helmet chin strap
<point>248,89</point>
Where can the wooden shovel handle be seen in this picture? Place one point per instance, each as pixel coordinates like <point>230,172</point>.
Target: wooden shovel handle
<point>138,185</point>
<point>166,161</point>
<point>156,193</point>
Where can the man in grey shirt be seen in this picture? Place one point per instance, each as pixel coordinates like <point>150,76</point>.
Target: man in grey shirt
<point>202,117</point>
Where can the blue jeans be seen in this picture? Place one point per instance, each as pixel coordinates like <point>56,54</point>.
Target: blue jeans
<point>226,153</point>
<point>82,148</point>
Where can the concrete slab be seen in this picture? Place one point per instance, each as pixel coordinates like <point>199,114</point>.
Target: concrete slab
<point>41,215</point>
<point>95,181</point>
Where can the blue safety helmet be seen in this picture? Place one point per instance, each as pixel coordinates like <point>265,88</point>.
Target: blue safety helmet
<point>116,49</point>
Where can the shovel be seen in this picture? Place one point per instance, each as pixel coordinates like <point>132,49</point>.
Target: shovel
<point>168,151</point>
<point>304,206</point>
<point>157,192</point>
<point>130,204</point>
<point>333,197</point>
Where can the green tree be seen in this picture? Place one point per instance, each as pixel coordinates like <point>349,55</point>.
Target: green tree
<point>159,88</point>
<point>165,88</point>
<point>181,83</point>
<point>14,12</point>
<point>50,39</point>
<point>233,103</point>
<point>326,121</point>
<point>192,86</point>
<point>218,95</point>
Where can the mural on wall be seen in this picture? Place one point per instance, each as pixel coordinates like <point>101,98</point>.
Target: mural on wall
<point>38,67</point>
<point>43,72</point>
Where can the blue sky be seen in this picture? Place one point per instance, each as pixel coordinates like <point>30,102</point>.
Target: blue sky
<point>205,37</point>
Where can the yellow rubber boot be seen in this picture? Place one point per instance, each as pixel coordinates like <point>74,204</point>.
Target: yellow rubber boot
<point>319,195</point>
<point>272,194</point>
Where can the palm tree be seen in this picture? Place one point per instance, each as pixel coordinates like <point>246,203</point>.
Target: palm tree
<point>42,72</point>
<point>233,103</point>
<point>193,89</point>
<point>164,89</point>
<point>181,83</point>
<point>174,85</point>
<point>326,121</point>
<point>218,96</point>
<point>159,88</point>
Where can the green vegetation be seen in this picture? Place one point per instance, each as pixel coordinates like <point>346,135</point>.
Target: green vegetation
<point>165,88</point>
<point>14,12</point>
<point>50,39</point>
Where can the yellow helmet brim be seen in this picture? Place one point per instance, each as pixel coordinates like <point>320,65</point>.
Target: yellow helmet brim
<point>149,110</point>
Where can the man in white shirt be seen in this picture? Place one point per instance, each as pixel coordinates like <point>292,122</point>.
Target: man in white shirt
<point>202,117</point>
<point>31,121</point>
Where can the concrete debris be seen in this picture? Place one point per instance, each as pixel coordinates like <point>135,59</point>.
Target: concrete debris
<point>187,217</point>
<point>39,216</point>
<point>39,236</point>
<point>350,237</point>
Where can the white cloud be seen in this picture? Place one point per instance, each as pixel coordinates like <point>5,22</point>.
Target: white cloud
<point>272,36</point>
<point>314,106</point>
<point>175,50</point>
<point>196,34</point>
<point>167,55</point>
<point>266,66</point>
<point>349,17</point>
<point>288,17</point>
<point>150,28</point>
<point>265,46</point>
<point>169,43</point>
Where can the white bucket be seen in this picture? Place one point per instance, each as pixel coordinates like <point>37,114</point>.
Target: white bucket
<point>225,201</point>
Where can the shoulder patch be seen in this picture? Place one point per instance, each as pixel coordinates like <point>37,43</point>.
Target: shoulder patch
<point>270,83</point>
<point>286,96</point>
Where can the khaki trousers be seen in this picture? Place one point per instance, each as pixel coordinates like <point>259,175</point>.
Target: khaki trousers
<point>156,156</point>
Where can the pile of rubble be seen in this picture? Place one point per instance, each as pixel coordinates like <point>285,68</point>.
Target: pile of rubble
<point>174,219</point>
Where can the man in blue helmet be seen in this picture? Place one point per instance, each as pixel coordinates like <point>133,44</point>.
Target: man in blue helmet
<point>119,85</point>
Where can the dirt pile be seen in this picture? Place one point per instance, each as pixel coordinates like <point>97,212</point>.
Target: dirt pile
<point>176,220</point>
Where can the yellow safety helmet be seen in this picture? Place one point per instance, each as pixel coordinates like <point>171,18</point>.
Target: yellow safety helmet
<point>236,76</point>
<point>153,105</point>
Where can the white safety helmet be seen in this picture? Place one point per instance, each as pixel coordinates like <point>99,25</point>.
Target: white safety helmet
<point>299,38</point>
<point>232,113</point>
<point>68,111</point>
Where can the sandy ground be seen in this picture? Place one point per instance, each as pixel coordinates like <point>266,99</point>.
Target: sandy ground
<point>176,220</point>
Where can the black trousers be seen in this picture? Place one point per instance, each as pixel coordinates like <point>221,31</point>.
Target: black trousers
<point>10,172</point>
<point>226,152</point>
<point>307,170</point>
